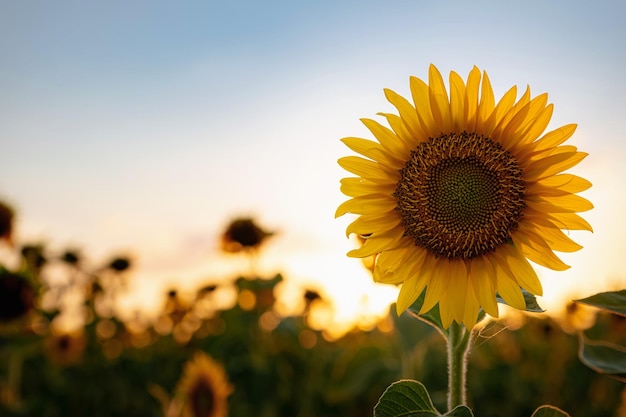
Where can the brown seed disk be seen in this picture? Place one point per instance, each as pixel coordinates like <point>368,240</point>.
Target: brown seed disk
<point>460,195</point>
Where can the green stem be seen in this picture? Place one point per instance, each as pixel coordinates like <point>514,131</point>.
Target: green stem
<point>14,382</point>
<point>458,348</point>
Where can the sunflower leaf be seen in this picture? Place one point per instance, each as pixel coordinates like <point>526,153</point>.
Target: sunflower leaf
<point>613,301</point>
<point>549,411</point>
<point>431,317</point>
<point>604,357</point>
<point>532,306</point>
<point>460,411</point>
<point>406,398</point>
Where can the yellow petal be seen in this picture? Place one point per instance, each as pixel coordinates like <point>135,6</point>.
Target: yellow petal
<point>554,237</point>
<point>567,203</point>
<point>507,285</point>
<point>535,126</point>
<point>552,165</point>
<point>362,146</point>
<point>386,137</point>
<point>520,268</point>
<point>355,187</point>
<point>566,182</point>
<point>482,278</point>
<point>471,99</point>
<point>419,91</point>
<point>377,243</point>
<point>372,205</point>
<point>365,225</point>
<point>569,221</point>
<point>554,138</point>
<point>445,313</point>
<point>538,251</point>
<point>457,288</point>
<point>370,170</point>
<point>394,267</point>
<point>407,112</point>
<point>410,290</point>
<point>457,102</point>
<point>399,126</point>
<point>438,97</point>
<point>471,308</point>
<point>437,283</point>
<point>487,102</point>
<point>511,292</point>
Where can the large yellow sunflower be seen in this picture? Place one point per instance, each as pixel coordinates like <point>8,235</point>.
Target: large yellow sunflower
<point>460,192</point>
<point>205,387</point>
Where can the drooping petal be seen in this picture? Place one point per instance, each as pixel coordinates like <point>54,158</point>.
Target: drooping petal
<point>484,284</point>
<point>437,284</point>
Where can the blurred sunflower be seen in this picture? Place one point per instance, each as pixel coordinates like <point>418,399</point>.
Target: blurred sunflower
<point>6,222</point>
<point>205,387</point>
<point>243,234</point>
<point>461,192</point>
<point>65,349</point>
<point>17,296</point>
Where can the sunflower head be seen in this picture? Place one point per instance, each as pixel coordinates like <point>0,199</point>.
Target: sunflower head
<point>459,192</point>
<point>17,296</point>
<point>205,388</point>
<point>6,222</point>
<point>243,235</point>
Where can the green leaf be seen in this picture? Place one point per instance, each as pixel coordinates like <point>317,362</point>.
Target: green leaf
<point>604,357</point>
<point>613,301</point>
<point>405,398</point>
<point>532,306</point>
<point>549,411</point>
<point>460,411</point>
<point>431,317</point>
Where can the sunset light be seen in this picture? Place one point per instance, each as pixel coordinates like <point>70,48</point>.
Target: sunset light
<point>138,132</point>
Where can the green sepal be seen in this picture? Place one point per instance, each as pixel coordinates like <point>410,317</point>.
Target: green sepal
<point>604,357</point>
<point>532,306</point>
<point>432,317</point>
<point>613,301</point>
<point>549,411</point>
<point>406,398</point>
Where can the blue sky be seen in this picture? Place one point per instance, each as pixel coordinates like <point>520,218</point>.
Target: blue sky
<point>146,125</point>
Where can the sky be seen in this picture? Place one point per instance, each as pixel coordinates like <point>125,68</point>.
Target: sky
<point>144,127</point>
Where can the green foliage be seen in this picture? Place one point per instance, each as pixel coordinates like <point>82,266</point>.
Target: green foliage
<point>405,398</point>
<point>603,356</point>
<point>532,306</point>
<point>408,398</point>
<point>613,301</point>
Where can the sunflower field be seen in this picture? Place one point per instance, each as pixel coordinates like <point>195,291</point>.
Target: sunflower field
<point>247,360</point>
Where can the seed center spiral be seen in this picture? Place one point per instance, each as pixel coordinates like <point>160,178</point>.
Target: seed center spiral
<point>460,195</point>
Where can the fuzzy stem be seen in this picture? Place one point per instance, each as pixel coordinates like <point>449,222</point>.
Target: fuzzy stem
<point>458,348</point>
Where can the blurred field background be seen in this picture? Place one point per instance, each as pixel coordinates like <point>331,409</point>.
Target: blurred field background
<point>66,351</point>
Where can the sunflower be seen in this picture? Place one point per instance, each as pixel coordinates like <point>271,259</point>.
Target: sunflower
<point>205,387</point>
<point>460,192</point>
